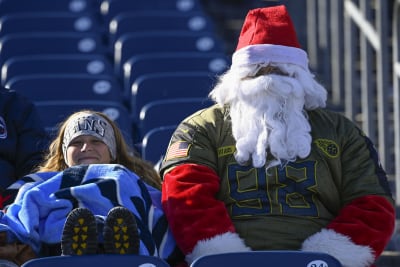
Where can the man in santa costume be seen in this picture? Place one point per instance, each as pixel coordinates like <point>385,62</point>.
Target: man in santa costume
<point>268,168</point>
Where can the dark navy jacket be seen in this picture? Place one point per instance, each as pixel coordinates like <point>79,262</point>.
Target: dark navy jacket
<point>23,138</point>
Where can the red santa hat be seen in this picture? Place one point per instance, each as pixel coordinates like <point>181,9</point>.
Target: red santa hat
<point>268,36</point>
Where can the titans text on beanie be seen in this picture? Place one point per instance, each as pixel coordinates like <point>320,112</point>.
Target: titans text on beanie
<point>90,124</point>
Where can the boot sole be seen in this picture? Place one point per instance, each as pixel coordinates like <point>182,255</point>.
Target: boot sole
<point>80,233</point>
<point>120,232</point>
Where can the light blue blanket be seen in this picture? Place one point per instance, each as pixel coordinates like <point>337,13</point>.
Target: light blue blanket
<point>39,213</point>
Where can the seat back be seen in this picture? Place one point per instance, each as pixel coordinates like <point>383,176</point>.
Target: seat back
<point>99,260</point>
<point>47,87</point>
<point>136,66</point>
<point>167,85</point>
<point>92,64</point>
<point>20,6</point>
<point>20,44</point>
<point>168,112</point>
<point>48,22</point>
<point>111,8</point>
<point>268,258</point>
<point>155,142</point>
<point>54,112</point>
<point>155,20</point>
<point>132,44</point>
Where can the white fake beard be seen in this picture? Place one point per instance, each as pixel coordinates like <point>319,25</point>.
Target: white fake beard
<point>267,114</point>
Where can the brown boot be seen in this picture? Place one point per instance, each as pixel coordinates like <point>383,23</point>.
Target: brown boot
<point>15,252</point>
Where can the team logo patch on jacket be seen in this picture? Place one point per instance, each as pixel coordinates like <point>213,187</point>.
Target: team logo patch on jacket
<point>3,128</point>
<point>330,148</point>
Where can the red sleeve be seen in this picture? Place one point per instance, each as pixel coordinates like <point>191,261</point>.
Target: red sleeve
<point>368,221</point>
<point>190,204</point>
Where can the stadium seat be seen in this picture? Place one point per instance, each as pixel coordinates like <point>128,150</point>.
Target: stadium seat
<point>155,20</point>
<point>111,8</point>
<point>135,66</point>
<point>159,86</point>
<point>132,44</point>
<point>20,44</point>
<point>93,64</point>
<point>49,22</point>
<point>268,258</point>
<point>155,143</point>
<point>20,6</point>
<point>54,112</point>
<point>99,260</point>
<point>48,87</point>
<point>168,112</point>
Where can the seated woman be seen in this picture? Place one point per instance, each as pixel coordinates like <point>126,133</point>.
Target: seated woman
<point>94,185</point>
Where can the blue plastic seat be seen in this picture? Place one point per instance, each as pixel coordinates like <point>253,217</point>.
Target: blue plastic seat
<point>92,64</point>
<point>111,8</point>
<point>268,258</point>
<point>157,86</point>
<point>168,112</point>
<point>54,112</point>
<point>156,20</point>
<point>215,63</point>
<point>100,260</point>
<point>48,87</point>
<point>132,44</point>
<point>49,22</point>
<point>155,143</point>
<point>35,43</point>
<point>19,6</point>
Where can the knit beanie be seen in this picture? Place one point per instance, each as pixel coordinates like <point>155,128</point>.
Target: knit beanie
<point>89,124</point>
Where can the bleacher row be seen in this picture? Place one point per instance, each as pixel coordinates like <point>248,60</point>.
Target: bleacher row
<point>146,64</point>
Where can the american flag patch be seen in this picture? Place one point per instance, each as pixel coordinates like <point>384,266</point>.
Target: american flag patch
<point>177,150</point>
